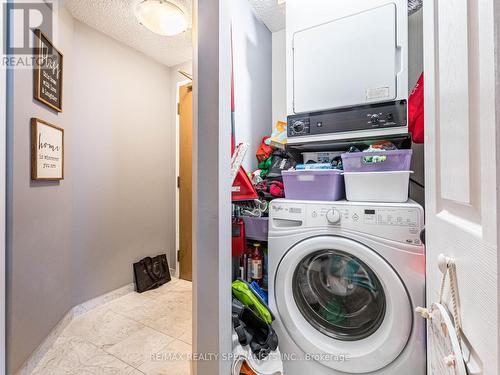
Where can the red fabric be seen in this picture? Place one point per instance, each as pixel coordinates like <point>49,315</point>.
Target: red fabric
<point>264,151</point>
<point>276,189</point>
<point>416,111</point>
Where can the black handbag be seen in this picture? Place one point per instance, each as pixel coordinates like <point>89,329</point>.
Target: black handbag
<point>150,273</point>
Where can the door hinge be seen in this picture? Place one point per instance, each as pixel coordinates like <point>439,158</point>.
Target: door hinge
<point>178,255</point>
<point>178,182</point>
<point>178,108</point>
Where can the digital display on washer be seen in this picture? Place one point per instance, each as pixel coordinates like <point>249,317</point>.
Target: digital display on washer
<point>369,212</point>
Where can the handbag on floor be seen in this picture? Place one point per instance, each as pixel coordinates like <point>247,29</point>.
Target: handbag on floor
<point>150,273</point>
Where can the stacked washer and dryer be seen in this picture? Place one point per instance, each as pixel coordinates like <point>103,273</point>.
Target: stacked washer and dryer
<point>345,277</point>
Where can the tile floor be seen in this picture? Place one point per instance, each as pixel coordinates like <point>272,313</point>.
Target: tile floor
<point>148,333</point>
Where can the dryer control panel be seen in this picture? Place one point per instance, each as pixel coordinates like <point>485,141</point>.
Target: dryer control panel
<point>400,222</point>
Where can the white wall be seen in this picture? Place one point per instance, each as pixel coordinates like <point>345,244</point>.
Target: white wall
<point>252,46</point>
<point>279,76</point>
<point>123,166</point>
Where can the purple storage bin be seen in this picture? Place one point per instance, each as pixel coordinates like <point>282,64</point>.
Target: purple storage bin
<point>256,228</point>
<point>319,185</point>
<point>397,160</point>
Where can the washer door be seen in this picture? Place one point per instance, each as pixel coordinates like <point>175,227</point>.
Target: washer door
<point>343,303</point>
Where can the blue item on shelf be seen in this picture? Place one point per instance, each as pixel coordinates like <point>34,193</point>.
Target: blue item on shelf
<point>261,292</point>
<point>302,167</point>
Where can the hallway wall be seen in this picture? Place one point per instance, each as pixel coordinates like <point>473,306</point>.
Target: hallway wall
<point>73,240</point>
<point>123,177</point>
<point>39,215</point>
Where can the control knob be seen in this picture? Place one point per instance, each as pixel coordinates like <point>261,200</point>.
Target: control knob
<point>298,127</point>
<point>333,216</point>
<point>375,119</point>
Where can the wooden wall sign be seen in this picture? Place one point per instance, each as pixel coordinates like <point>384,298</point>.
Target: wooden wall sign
<point>48,73</point>
<point>47,151</point>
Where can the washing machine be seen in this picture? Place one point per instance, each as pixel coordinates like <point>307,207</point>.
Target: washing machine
<point>344,281</point>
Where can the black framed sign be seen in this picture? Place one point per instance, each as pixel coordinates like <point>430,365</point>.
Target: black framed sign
<point>47,151</point>
<point>48,73</point>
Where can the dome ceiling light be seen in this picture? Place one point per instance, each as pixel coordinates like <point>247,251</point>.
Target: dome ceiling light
<point>161,17</point>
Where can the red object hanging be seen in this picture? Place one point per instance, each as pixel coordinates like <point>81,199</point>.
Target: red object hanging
<point>242,189</point>
<point>416,111</point>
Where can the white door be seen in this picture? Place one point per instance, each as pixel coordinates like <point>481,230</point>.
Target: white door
<point>461,171</point>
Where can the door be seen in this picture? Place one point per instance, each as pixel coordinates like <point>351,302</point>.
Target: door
<point>332,50</point>
<point>185,257</point>
<point>461,171</point>
<point>335,295</point>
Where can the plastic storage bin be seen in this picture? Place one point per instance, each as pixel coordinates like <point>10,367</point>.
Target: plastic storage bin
<point>256,228</point>
<point>321,184</point>
<point>320,157</point>
<point>396,160</point>
<point>377,186</point>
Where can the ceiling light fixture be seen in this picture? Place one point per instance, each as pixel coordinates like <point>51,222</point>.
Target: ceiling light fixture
<point>161,17</point>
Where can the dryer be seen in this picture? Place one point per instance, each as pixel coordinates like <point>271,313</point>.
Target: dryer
<point>345,278</point>
<point>347,69</point>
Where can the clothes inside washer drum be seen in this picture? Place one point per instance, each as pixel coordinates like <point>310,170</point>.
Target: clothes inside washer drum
<point>414,6</point>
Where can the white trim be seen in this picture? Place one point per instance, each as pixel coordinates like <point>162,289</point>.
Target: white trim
<point>177,171</point>
<point>348,135</point>
<point>3,171</point>
<point>35,357</point>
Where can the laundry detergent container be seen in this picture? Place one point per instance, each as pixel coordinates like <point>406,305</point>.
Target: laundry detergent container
<point>314,184</point>
<point>391,186</point>
<point>377,161</point>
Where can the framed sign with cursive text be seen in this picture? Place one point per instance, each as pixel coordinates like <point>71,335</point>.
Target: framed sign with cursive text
<point>48,72</point>
<point>47,151</point>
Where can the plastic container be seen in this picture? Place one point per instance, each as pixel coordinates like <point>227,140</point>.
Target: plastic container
<point>256,228</point>
<point>320,157</point>
<point>396,160</point>
<point>377,186</point>
<point>322,184</point>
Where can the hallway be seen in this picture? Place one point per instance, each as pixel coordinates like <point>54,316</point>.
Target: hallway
<point>148,333</point>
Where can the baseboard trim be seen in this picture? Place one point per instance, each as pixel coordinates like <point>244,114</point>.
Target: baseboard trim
<point>101,300</point>
<point>35,357</point>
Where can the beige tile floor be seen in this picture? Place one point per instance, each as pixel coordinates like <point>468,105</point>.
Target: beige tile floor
<point>148,333</point>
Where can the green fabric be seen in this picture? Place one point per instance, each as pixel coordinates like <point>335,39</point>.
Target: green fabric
<point>244,294</point>
<point>334,312</point>
<point>264,166</point>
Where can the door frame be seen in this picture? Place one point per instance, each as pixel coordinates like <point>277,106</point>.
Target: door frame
<point>177,173</point>
<point>3,201</point>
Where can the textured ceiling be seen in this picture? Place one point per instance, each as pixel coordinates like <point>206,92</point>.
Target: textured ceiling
<point>270,12</point>
<point>116,18</point>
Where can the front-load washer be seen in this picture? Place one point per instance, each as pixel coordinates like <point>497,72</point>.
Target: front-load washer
<point>344,280</point>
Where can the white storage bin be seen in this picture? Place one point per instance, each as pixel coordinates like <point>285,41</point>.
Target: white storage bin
<point>377,186</point>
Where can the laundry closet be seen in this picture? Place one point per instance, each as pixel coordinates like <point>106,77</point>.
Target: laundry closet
<point>328,231</point>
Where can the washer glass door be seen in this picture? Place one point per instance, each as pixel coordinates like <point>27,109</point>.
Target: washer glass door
<point>340,301</point>
<point>339,295</point>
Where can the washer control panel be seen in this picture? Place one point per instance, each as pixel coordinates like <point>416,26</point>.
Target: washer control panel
<point>398,222</point>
